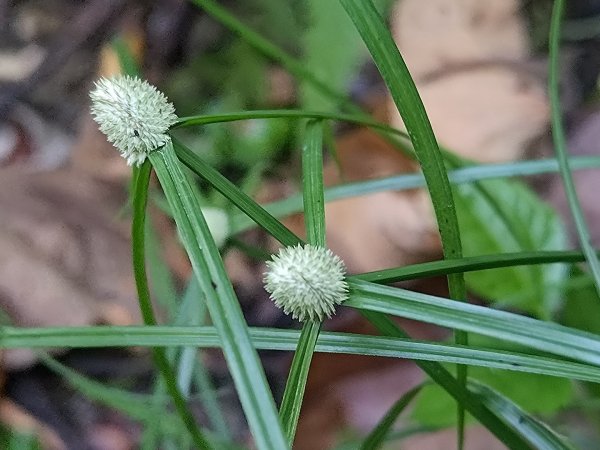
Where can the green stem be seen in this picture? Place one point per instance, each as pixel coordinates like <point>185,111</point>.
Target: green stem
<point>140,199</point>
<point>560,145</point>
<point>469,264</point>
<point>402,88</point>
<point>226,314</point>
<point>314,217</point>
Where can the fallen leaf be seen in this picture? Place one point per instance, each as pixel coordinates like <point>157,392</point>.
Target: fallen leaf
<point>438,35</point>
<point>64,254</point>
<point>15,417</point>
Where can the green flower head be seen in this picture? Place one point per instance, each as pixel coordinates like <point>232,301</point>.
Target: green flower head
<point>133,114</point>
<point>307,282</point>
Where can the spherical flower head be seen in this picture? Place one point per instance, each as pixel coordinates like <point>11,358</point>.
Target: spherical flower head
<point>306,281</point>
<point>133,115</point>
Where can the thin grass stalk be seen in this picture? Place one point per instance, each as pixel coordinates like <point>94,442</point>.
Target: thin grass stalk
<point>140,198</point>
<point>244,364</point>
<point>402,88</point>
<point>560,144</point>
<point>314,219</point>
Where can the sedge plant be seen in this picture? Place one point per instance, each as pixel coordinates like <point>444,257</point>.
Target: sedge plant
<point>309,282</point>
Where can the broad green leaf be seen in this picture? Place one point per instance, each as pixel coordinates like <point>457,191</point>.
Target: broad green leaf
<point>534,393</point>
<point>581,308</point>
<point>434,407</point>
<point>502,216</point>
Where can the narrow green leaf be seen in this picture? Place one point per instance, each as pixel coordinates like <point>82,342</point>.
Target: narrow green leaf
<point>376,437</point>
<point>286,340</point>
<point>560,144</point>
<point>469,264</point>
<point>452,386</point>
<point>138,228</point>
<point>312,184</point>
<point>192,312</point>
<point>135,406</point>
<point>236,196</point>
<point>537,433</point>
<point>293,204</point>
<point>225,311</point>
<point>402,88</point>
<point>314,219</point>
<point>531,391</point>
<point>544,336</point>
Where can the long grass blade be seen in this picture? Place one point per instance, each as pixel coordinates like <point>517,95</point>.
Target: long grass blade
<point>376,437</point>
<point>235,195</point>
<point>286,340</point>
<point>140,197</point>
<point>469,264</point>
<point>453,387</point>
<point>293,204</point>
<point>560,145</point>
<point>402,88</point>
<point>544,336</point>
<point>225,311</point>
<point>314,218</point>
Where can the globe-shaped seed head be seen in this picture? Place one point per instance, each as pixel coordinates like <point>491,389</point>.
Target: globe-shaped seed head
<point>133,114</point>
<point>307,282</point>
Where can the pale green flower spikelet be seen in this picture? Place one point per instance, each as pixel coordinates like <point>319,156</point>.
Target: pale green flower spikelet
<point>133,114</point>
<point>307,282</point>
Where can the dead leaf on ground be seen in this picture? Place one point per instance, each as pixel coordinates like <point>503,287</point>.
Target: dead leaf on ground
<point>438,35</point>
<point>469,59</point>
<point>64,254</point>
<point>16,418</point>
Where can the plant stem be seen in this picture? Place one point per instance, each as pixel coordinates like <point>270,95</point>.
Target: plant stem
<point>560,144</point>
<point>140,199</point>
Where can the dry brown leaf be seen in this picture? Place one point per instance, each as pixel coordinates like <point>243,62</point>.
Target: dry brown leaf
<point>489,113</point>
<point>379,230</point>
<point>476,438</point>
<point>64,255</point>
<point>469,61</point>
<point>436,35</point>
<point>15,417</point>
